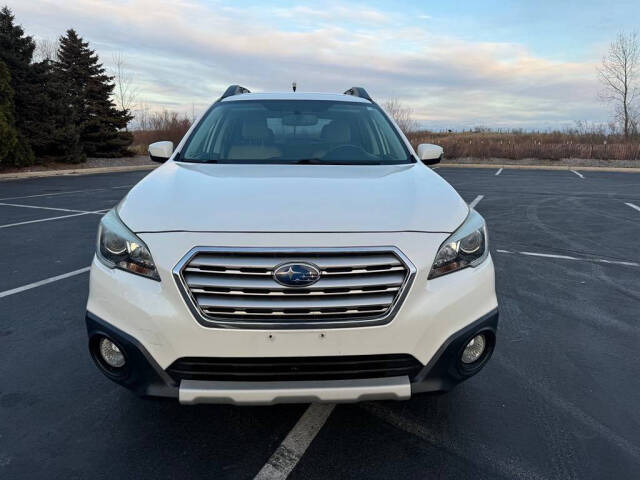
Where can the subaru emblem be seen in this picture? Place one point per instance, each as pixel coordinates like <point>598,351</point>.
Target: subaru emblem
<point>296,274</point>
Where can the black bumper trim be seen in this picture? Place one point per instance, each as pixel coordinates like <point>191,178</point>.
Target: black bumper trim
<point>283,369</point>
<point>145,377</point>
<point>445,370</point>
<point>141,373</point>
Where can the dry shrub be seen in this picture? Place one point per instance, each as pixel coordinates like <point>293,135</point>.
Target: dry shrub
<point>157,126</point>
<point>516,145</point>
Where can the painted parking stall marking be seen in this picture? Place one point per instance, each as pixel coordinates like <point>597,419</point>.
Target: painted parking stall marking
<point>578,174</point>
<point>66,192</point>
<point>635,207</point>
<point>55,209</point>
<point>46,281</point>
<point>569,257</point>
<point>476,201</point>
<point>547,255</point>
<point>53,194</point>
<point>17,224</point>
<point>292,448</point>
<point>61,217</point>
<point>499,172</point>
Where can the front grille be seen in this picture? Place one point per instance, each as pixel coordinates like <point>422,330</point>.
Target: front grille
<point>237,287</point>
<point>294,368</point>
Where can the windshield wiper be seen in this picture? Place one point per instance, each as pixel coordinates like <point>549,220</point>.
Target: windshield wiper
<point>319,161</point>
<point>309,161</point>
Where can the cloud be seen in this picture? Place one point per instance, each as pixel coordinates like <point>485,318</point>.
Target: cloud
<point>353,13</point>
<point>186,52</point>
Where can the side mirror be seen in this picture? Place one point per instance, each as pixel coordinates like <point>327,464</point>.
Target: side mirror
<point>160,151</point>
<point>430,154</point>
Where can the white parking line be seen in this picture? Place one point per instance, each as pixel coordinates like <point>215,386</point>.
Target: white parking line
<point>568,257</point>
<point>48,219</point>
<point>636,207</point>
<point>53,194</point>
<point>499,172</point>
<point>43,220</point>
<point>46,281</point>
<point>578,173</point>
<point>69,192</point>
<point>45,208</point>
<point>618,262</point>
<point>292,448</point>
<point>548,255</point>
<point>476,201</point>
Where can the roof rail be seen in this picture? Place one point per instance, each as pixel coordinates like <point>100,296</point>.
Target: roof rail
<point>359,92</point>
<point>233,90</point>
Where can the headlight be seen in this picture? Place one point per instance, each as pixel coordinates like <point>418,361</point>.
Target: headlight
<point>119,247</point>
<point>466,247</point>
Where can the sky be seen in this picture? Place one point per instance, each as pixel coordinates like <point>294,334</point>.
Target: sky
<point>456,64</point>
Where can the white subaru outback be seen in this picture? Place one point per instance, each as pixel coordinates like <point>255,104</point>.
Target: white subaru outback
<point>292,248</point>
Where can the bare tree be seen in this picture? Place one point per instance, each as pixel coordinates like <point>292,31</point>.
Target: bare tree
<point>619,76</point>
<point>125,92</point>
<point>401,114</point>
<point>46,50</point>
<point>141,116</point>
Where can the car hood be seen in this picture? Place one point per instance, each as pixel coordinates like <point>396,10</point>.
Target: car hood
<point>292,198</point>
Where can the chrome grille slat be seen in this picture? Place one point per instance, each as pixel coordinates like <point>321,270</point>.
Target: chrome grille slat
<point>324,261</point>
<point>360,271</point>
<point>228,271</point>
<point>243,301</point>
<point>296,313</point>
<point>268,273</point>
<point>293,293</point>
<point>235,287</point>
<point>214,280</point>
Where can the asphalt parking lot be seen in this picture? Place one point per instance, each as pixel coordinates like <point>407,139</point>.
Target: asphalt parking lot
<point>559,399</point>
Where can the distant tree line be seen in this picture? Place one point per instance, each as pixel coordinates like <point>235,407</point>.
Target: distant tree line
<point>57,109</point>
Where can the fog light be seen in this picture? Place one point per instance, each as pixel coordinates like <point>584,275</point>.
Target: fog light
<point>111,354</point>
<point>474,349</point>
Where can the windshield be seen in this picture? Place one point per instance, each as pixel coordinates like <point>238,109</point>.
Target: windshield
<point>295,131</point>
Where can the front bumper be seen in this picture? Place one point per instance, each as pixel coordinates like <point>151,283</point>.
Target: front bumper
<point>154,318</point>
<point>144,376</point>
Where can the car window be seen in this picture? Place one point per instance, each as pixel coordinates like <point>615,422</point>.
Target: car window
<point>295,131</point>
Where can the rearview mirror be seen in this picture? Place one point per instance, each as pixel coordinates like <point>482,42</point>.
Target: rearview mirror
<point>300,120</point>
<point>160,151</point>
<point>430,154</point>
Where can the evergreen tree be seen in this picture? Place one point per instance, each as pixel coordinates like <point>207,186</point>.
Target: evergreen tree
<point>42,114</point>
<point>16,51</point>
<point>8,132</point>
<point>89,90</point>
<point>58,139</point>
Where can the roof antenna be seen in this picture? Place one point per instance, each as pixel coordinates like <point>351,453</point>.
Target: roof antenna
<point>294,86</point>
